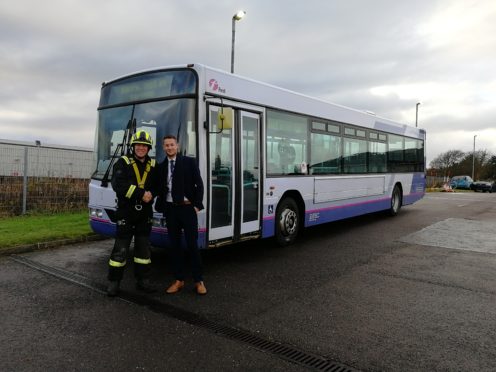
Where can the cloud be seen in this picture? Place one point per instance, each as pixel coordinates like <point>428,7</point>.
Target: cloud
<point>382,56</point>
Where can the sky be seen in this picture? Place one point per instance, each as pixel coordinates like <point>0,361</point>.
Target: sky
<point>382,56</point>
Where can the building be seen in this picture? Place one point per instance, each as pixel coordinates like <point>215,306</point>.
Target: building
<point>55,161</point>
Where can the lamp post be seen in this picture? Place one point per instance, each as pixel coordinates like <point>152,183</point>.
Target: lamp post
<point>473,160</point>
<point>416,114</point>
<point>237,17</point>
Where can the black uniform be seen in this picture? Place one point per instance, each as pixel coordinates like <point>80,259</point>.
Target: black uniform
<point>130,179</point>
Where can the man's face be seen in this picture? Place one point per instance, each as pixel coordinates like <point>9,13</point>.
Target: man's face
<point>170,147</point>
<point>140,150</point>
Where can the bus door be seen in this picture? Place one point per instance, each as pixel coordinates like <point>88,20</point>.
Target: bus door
<point>234,174</point>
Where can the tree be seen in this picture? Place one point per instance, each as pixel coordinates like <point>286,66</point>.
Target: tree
<point>490,169</point>
<point>485,165</point>
<point>446,161</point>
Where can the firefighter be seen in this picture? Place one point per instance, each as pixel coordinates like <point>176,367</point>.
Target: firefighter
<point>132,180</point>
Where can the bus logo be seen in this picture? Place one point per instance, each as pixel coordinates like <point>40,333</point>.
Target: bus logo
<point>270,209</point>
<point>214,85</point>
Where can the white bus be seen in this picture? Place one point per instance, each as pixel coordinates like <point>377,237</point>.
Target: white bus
<point>273,161</point>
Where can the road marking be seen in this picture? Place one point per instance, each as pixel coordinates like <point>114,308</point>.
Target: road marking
<point>486,198</point>
<point>457,233</point>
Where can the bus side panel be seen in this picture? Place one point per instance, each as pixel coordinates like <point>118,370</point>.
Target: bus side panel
<point>317,216</point>
<point>268,227</point>
<point>417,190</point>
<point>334,198</point>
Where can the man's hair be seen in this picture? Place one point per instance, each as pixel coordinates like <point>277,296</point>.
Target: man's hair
<point>169,136</point>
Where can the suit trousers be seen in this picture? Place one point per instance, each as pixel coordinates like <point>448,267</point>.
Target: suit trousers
<point>181,218</point>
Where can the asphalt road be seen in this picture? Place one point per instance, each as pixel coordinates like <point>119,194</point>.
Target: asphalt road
<point>375,293</point>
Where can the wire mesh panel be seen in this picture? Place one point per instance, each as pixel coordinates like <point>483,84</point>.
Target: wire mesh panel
<point>44,195</point>
<point>11,160</point>
<point>55,179</point>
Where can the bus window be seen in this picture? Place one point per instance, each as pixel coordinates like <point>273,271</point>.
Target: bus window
<point>221,157</point>
<point>173,117</point>
<point>286,143</point>
<point>377,157</point>
<point>395,153</point>
<point>325,157</point>
<point>354,155</point>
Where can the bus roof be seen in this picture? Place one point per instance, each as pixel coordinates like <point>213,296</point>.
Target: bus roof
<point>218,83</point>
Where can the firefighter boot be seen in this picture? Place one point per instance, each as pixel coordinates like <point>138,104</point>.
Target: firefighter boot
<point>113,288</point>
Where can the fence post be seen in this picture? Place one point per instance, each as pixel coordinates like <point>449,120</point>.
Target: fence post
<point>25,181</point>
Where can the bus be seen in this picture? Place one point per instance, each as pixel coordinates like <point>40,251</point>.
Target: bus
<point>273,161</point>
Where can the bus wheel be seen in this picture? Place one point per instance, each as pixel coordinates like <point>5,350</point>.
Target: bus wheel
<point>287,222</point>
<point>396,201</point>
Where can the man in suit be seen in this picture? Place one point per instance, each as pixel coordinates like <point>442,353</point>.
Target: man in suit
<point>180,190</point>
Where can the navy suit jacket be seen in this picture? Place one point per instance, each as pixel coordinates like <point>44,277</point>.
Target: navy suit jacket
<point>186,182</point>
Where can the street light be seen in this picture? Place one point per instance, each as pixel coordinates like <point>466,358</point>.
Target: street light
<point>237,17</point>
<point>473,160</point>
<point>416,114</point>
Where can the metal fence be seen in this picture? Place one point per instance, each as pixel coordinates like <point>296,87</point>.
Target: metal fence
<point>39,179</point>
<point>436,181</point>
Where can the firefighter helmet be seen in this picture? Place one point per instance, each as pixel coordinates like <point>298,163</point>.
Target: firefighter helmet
<point>143,138</point>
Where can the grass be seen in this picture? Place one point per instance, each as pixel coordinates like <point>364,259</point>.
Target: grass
<point>32,229</point>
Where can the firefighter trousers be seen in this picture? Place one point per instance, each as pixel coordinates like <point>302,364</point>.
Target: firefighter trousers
<point>136,224</point>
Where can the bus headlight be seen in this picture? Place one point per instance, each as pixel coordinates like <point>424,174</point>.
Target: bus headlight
<point>96,212</point>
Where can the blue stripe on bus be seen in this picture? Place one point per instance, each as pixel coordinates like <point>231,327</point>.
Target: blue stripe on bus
<point>412,198</point>
<point>268,227</point>
<point>158,236</point>
<point>102,227</point>
<point>330,214</point>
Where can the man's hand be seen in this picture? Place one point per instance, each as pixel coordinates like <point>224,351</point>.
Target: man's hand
<point>147,197</point>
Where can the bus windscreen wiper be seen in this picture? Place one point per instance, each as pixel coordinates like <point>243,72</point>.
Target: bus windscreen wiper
<point>126,139</point>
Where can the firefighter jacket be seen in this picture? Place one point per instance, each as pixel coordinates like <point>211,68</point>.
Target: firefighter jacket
<point>130,179</point>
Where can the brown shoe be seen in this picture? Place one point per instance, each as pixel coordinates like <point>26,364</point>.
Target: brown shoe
<point>200,288</point>
<point>175,287</point>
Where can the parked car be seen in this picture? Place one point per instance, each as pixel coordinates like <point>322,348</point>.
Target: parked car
<point>483,186</point>
<point>461,182</point>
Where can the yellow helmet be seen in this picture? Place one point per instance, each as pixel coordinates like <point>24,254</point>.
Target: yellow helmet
<point>142,137</point>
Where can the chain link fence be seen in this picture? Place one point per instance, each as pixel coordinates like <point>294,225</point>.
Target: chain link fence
<point>43,179</point>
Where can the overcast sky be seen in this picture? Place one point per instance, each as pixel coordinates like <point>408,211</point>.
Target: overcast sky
<point>383,56</point>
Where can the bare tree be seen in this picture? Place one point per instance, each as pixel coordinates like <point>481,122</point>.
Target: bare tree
<point>484,166</point>
<point>444,162</point>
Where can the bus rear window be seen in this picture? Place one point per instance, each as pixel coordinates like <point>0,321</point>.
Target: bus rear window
<point>147,86</point>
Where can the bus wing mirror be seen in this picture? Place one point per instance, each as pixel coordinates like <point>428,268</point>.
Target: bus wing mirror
<point>225,118</point>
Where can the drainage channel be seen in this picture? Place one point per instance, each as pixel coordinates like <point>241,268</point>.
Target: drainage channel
<point>283,351</point>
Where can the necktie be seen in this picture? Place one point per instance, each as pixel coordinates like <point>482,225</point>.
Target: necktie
<point>171,169</point>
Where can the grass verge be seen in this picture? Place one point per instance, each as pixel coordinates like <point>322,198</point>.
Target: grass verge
<point>35,229</point>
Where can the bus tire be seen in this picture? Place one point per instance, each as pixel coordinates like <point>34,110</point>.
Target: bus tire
<point>287,222</point>
<point>396,201</point>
